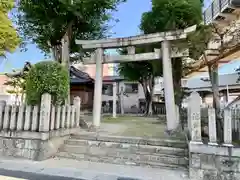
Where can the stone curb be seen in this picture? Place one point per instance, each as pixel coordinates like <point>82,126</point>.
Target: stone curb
<point>34,169</point>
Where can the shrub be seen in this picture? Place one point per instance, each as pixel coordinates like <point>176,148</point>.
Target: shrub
<point>47,77</point>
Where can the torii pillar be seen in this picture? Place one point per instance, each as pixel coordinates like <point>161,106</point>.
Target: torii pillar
<point>172,121</point>
<point>97,99</point>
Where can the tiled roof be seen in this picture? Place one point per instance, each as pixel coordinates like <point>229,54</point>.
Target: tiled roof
<point>78,76</point>
<point>224,80</point>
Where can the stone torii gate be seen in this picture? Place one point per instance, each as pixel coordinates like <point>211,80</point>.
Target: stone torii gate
<point>166,53</point>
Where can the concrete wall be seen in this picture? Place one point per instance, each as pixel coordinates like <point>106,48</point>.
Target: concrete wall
<point>29,148</point>
<point>36,132</point>
<point>214,162</point>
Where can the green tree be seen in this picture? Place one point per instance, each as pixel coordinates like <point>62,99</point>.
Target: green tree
<point>165,15</point>
<point>55,24</point>
<point>228,43</point>
<point>168,15</point>
<point>172,15</point>
<point>47,77</point>
<point>143,72</point>
<point>18,81</point>
<point>49,22</point>
<point>9,39</point>
<point>17,85</point>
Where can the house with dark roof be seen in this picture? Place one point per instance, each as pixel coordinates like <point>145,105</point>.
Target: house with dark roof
<point>229,88</point>
<point>82,85</point>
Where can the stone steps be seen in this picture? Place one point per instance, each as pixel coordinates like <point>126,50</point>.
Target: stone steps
<point>126,150</point>
<point>132,140</point>
<point>144,149</point>
<point>114,160</point>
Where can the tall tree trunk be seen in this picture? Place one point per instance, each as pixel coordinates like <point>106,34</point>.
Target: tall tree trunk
<point>66,40</point>
<point>57,52</point>
<point>213,76</point>
<point>122,103</point>
<point>61,52</point>
<point>177,80</point>
<point>147,85</point>
<point>145,91</point>
<point>177,85</point>
<point>150,106</point>
<point>65,60</point>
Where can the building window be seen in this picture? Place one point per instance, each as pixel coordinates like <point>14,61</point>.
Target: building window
<point>107,89</point>
<point>131,88</point>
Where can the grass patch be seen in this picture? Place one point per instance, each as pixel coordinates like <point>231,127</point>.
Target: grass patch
<point>109,119</point>
<point>124,119</point>
<point>138,126</point>
<point>149,129</point>
<point>141,127</point>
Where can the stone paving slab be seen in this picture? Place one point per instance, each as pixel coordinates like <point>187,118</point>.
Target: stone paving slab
<point>89,170</point>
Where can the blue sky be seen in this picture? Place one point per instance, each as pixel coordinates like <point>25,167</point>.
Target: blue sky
<point>129,15</point>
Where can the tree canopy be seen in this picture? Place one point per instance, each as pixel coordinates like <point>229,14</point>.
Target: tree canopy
<point>45,22</point>
<point>47,77</point>
<point>9,39</point>
<point>143,72</point>
<point>168,15</point>
<point>138,71</point>
<point>165,15</point>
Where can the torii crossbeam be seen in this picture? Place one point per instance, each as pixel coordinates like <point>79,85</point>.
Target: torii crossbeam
<point>165,54</point>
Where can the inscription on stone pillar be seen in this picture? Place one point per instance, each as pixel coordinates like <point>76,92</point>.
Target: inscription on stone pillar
<point>45,112</point>
<point>194,105</point>
<point>212,126</point>
<point>227,127</point>
<point>77,104</point>
<point>189,118</point>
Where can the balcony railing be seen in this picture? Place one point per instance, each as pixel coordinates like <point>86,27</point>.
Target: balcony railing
<point>215,9</point>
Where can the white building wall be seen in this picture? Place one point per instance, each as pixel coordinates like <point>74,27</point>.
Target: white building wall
<point>132,99</point>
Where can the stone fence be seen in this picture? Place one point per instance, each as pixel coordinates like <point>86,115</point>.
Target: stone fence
<point>36,132</point>
<point>211,160</point>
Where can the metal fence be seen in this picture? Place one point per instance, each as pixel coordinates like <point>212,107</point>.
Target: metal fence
<point>215,9</point>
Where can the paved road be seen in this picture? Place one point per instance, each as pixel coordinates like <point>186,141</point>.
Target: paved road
<point>19,175</point>
<point>69,169</point>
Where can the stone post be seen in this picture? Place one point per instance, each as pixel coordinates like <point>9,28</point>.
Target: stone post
<point>77,104</point>
<point>131,50</point>
<point>6,119</point>
<point>189,120</point>
<point>114,99</point>
<point>188,115</point>
<point>195,110</point>
<point>227,127</point>
<point>177,114</point>
<point>45,112</point>
<point>225,97</point>
<point>121,94</point>
<point>97,103</point>
<point>212,127</point>
<point>1,115</point>
<point>168,87</point>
